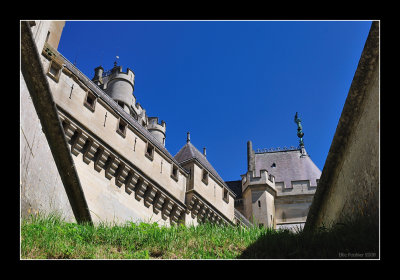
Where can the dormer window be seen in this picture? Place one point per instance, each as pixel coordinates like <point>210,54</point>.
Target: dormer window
<point>150,151</point>
<point>54,71</point>
<point>225,196</point>
<point>205,177</point>
<point>90,101</point>
<point>174,172</point>
<point>121,129</point>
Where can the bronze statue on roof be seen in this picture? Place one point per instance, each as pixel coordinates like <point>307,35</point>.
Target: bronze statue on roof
<point>300,133</point>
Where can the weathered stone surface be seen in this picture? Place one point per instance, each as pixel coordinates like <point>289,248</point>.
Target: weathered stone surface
<point>42,99</point>
<point>150,195</point>
<point>349,184</point>
<point>140,189</point>
<point>131,181</point>
<point>166,210</point>
<point>101,157</point>
<point>159,202</point>
<point>89,151</point>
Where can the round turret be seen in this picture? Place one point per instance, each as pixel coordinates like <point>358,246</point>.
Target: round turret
<point>120,86</point>
<point>156,129</point>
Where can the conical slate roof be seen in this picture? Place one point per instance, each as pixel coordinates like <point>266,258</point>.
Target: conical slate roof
<point>189,152</point>
<point>288,166</point>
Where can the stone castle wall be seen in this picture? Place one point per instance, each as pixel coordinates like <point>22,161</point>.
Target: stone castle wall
<point>349,184</point>
<point>121,172</point>
<point>41,188</point>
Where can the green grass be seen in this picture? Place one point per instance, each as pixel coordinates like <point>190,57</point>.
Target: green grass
<point>50,237</point>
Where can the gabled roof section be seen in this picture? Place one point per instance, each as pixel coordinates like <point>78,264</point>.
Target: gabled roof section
<point>189,152</point>
<point>288,166</point>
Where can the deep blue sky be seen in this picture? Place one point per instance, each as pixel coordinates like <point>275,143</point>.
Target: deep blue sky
<point>228,82</point>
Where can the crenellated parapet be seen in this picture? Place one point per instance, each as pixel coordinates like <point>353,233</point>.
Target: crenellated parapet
<point>157,129</point>
<point>265,178</point>
<point>116,74</point>
<point>125,174</point>
<point>156,125</point>
<point>119,86</point>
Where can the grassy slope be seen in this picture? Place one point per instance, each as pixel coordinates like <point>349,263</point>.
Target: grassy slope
<point>52,238</point>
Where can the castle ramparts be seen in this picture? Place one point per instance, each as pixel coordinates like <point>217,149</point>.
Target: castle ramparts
<point>97,129</point>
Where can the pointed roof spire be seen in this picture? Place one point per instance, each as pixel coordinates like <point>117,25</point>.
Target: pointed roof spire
<point>188,137</point>
<point>189,152</point>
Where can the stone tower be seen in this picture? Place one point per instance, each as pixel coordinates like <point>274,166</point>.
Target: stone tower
<point>110,161</point>
<point>157,129</point>
<point>119,86</point>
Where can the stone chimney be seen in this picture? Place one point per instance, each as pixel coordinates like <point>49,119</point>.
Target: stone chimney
<point>250,157</point>
<point>98,75</point>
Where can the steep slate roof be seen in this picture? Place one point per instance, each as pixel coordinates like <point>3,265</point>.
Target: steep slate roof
<point>189,152</point>
<point>289,166</point>
<point>236,187</point>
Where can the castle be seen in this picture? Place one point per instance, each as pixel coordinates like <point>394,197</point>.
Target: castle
<point>118,168</point>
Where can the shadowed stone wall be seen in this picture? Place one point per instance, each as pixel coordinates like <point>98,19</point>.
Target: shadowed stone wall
<point>349,184</point>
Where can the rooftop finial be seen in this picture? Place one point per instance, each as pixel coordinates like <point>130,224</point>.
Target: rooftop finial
<point>204,151</point>
<point>188,137</point>
<point>116,59</point>
<point>300,133</point>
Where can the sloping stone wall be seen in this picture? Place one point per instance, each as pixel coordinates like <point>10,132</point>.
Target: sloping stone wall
<point>41,186</point>
<point>349,184</point>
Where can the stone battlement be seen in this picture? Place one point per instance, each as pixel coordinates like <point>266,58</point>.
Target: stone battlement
<point>154,124</point>
<point>265,178</point>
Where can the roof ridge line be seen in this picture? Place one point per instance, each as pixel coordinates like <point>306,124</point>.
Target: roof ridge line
<point>274,150</point>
